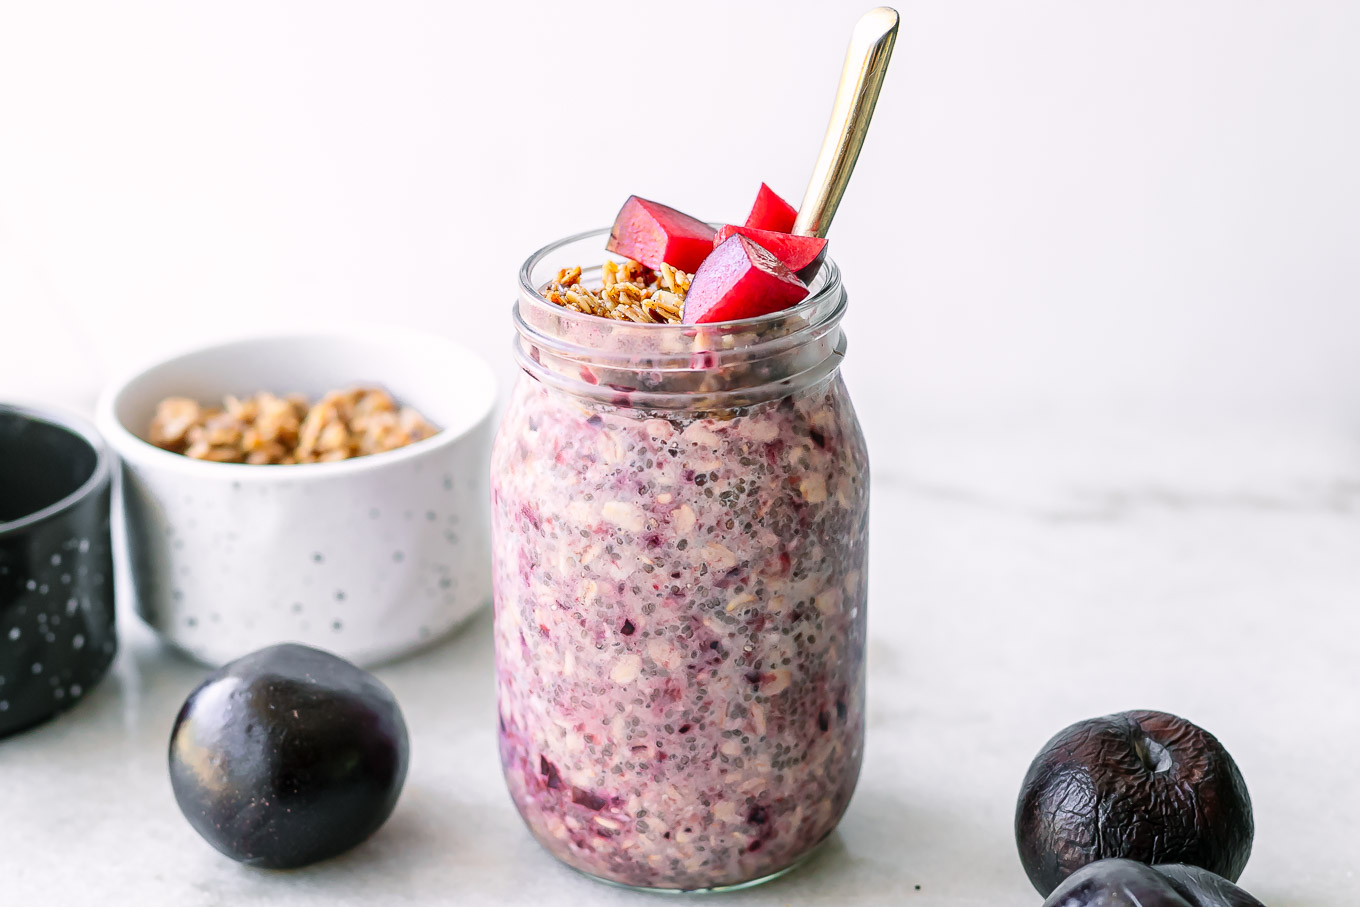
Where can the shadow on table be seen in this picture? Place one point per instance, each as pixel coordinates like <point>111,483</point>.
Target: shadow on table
<point>872,858</point>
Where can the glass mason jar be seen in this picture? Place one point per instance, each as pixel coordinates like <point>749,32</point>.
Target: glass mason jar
<point>680,534</point>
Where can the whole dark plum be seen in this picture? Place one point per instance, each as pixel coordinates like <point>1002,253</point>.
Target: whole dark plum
<point>1116,883</point>
<point>288,756</point>
<point>1204,889</point>
<point>1144,786</point>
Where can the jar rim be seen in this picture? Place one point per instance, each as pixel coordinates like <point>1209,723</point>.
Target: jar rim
<point>672,365</point>
<point>768,334</point>
<point>827,283</point>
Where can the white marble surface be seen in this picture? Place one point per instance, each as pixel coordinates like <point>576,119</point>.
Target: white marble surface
<point>1027,572</point>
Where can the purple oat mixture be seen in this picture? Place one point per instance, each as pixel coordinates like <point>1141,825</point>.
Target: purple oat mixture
<point>680,617</point>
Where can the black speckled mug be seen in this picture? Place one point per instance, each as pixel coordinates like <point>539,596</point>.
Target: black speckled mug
<point>56,567</point>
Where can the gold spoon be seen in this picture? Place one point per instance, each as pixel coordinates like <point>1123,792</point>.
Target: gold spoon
<point>866,62</point>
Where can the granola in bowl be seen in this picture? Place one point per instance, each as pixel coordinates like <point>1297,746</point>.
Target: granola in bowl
<point>266,429</point>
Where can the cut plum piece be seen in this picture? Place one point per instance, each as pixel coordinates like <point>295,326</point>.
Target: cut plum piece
<point>740,279</point>
<point>654,234</point>
<point>794,252</point>
<point>770,212</point>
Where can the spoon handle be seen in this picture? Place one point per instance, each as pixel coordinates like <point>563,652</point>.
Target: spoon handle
<point>866,62</point>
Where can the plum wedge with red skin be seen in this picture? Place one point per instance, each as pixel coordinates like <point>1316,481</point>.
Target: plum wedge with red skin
<point>794,252</point>
<point>770,212</point>
<point>655,234</point>
<point>740,279</point>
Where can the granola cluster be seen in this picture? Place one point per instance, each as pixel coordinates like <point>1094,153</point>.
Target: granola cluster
<point>629,292</point>
<point>267,429</point>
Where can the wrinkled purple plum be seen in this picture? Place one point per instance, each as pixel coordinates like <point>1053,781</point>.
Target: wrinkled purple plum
<point>1144,786</point>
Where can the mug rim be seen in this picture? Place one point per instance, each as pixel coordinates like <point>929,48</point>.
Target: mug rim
<point>82,429</point>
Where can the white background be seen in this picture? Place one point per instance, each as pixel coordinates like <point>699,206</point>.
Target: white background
<point>1104,339</point>
<point>1152,204</point>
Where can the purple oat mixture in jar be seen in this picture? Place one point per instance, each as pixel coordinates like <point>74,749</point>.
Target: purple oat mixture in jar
<point>680,515</point>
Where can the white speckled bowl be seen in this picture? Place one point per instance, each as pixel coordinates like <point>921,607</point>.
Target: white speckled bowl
<point>370,558</point>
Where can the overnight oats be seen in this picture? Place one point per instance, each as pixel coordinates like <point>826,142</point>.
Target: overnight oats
<point>680,515</point>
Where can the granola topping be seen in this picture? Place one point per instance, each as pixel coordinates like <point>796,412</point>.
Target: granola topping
<point>628,292</point>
